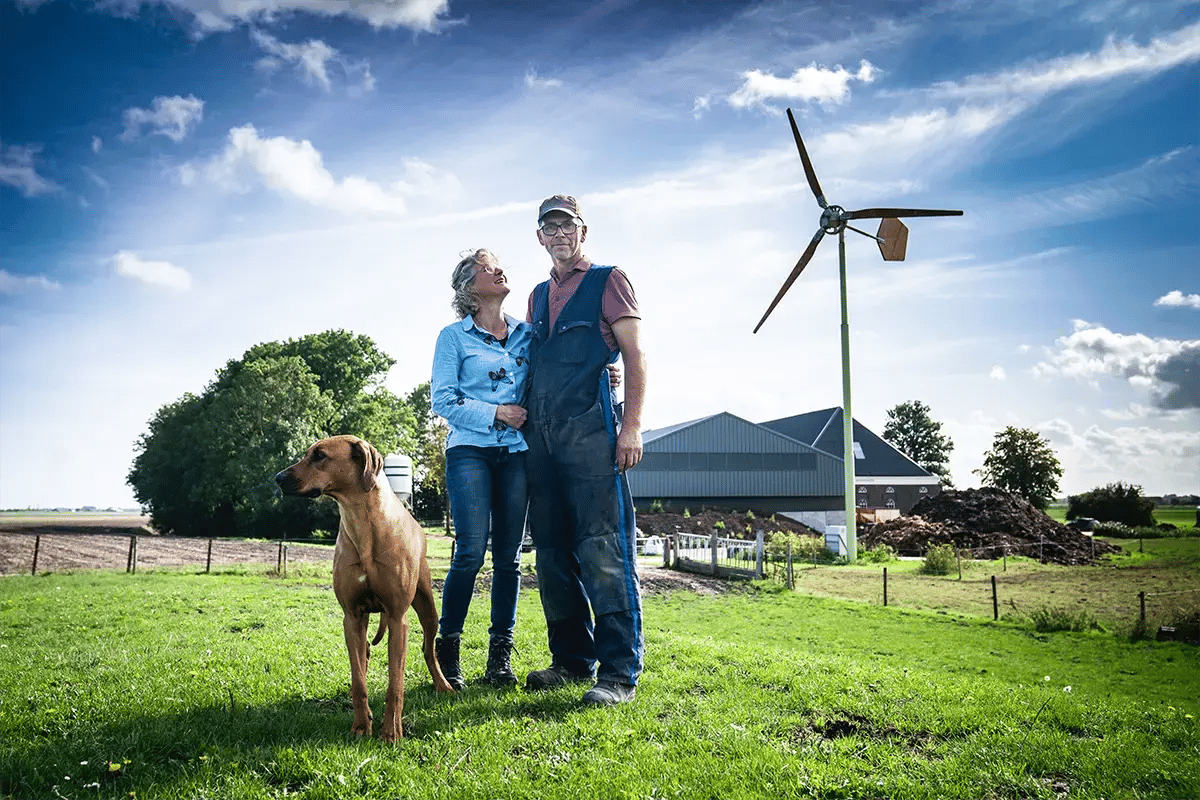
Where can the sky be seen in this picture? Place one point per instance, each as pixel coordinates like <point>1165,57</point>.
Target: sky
<point>183,179</point>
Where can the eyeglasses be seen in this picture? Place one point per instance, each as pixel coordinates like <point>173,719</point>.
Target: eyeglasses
<point>551,228</point>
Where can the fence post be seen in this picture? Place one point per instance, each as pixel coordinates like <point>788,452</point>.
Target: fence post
<point>1040,540</point>
<point>758,554</point>
<point>958,555</point>
<point>279,558</point>
<point>1142,603</point>
<point>208,562</point>
<point>285,561</point>
<point>675,551</point>
<point>666,551</point>
<point>1006,558</point>
<point>995,602</point>
<point>790,582</point>
<point>712,541</point>
<point>129,559</point>
<point>885,587</point>
<point>37,543</point>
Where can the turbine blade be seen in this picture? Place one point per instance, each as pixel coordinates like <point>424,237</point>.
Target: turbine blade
<point>813,183</point>
<point>882,213</point>
<point>800,265</point>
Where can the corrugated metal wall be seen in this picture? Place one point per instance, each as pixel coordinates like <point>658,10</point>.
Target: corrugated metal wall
<point>672,467</point>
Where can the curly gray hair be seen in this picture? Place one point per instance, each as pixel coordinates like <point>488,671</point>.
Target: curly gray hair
<point>465,301</point>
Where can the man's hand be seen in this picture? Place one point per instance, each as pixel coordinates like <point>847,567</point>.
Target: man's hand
<point>629,448</point>
<point>510,415</point>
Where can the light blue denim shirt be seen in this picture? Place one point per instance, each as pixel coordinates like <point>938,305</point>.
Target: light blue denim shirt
<point>473,374</point>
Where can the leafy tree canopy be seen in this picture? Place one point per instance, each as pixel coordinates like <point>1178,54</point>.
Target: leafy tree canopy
<point>912,431</point>
<point>1022,462</point>
<point>206,464</point>
<point>1116,502</point>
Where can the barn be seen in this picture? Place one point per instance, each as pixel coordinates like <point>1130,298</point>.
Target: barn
<point>790,466</point>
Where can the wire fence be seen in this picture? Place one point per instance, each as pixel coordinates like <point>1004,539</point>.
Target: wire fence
<point>35,553</point>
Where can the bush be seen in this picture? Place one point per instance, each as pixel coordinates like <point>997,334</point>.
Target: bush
<point>804,548</point>
<point>1115,530</point>
<point>880,554</point>
<point>940,559</point>
<point>656,507</point>
<point>1047,619</point>
<point>1116,502</point>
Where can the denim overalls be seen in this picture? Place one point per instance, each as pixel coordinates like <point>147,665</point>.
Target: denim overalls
<point>580,509</point>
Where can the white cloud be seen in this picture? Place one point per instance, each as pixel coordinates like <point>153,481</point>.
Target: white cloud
<point>1115,59</point>
<point>1163,178</point>
<point>170,117</point>
<point>1142,454</point>
<point>312,58</point>
<point>211,16</point>
<point>807,83</point>
<point>16,284</point>
<point>1168,368</point>
<point>296,169</point>
<point>95,178</point>
<point>153,273</point>
<point>701,105</point>
<point>1179,299</point>
<point>998,373</point>
<point>17,169</point>
<point>532,81</point>
<point>97,143</point>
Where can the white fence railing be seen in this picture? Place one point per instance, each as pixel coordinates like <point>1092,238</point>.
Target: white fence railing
<point>709,554</point>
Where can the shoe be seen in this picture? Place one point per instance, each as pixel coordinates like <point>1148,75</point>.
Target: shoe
<point>609,693</point>
<point>499,672</point>
<point>447,658</point>
<point>554,677</point>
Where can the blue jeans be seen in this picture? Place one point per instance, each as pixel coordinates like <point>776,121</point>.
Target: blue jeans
<point>488,497</point>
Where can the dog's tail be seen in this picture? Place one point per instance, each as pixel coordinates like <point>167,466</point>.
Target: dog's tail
<point>383,625</point>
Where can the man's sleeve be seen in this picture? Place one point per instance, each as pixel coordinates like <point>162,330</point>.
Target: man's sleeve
<point>619,300</point>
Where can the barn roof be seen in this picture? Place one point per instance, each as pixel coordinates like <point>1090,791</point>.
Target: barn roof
<point>823,430</point>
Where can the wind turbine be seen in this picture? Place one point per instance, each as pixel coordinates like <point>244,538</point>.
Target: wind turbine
<point>892,238</point>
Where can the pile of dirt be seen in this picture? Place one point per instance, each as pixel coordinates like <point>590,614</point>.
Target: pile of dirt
<point>732,524</point>
<point>987,521</point>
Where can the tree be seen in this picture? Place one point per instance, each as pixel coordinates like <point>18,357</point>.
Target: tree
<point>206,464</point>
<point>1022,462</point>
<point>430,499</point>
<point>913,432</point>
<point>1115,502</point>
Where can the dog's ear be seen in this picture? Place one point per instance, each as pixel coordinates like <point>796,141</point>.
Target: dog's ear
<point>371,461</point>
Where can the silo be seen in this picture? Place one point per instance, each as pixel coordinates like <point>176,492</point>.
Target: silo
<point>398,471</point>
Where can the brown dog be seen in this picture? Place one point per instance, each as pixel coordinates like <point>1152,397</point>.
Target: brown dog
<point>378,566</point>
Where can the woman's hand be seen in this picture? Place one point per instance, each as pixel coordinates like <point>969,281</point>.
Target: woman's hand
<point>510,415</point>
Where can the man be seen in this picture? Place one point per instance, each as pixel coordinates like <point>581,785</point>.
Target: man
<point>580,509</point>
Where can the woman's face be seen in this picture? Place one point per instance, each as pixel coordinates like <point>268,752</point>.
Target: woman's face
<point>490,280</point>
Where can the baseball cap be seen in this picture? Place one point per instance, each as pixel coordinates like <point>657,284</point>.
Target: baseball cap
<point>560,202</point>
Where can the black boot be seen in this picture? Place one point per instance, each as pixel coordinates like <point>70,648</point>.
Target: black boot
<point>499,672</point>
<point>447,657</point>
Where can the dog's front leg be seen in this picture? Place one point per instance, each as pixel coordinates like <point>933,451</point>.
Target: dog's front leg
<point>393,710</point>
<point>355,627</point>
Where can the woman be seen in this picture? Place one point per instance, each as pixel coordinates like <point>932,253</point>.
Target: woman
<point>480,367</point>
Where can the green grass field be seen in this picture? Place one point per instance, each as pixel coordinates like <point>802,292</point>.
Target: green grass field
<point>1106,593</point>
<point>174,684</point>
<point>1179,516</point>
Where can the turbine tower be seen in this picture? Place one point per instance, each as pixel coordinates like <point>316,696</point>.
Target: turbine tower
<point>892,238</point>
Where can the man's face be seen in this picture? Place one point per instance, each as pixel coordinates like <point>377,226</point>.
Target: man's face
<point>562,246</point>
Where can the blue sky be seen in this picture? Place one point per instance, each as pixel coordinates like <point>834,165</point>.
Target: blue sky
<point>183,179</point>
